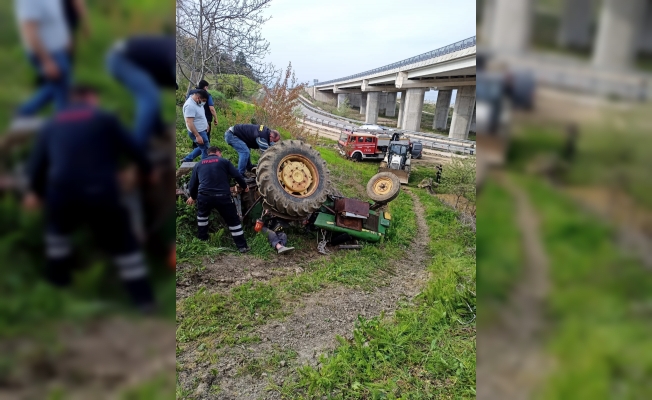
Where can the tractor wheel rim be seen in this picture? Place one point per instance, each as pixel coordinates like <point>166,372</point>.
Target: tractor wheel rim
<point>382,186</point>
<point>298,176</point>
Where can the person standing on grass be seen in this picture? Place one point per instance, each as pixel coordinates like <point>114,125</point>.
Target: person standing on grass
<point>243,137</point>
<point>46,39</point>
<point>74,170</point>
<point>209,109</point>
<point>193,112</point>
<point>209,188</point>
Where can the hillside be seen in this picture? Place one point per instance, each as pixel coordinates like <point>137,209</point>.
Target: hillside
<point>393,319</point>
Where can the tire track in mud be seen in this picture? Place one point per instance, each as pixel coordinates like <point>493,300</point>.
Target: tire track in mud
<point>312,328</point>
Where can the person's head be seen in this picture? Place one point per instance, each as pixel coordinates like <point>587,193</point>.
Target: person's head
<point>85,94</point>
<point>274,136</point>
<point>203,85</point>
<point>200,97</point>
<point>214,151</point>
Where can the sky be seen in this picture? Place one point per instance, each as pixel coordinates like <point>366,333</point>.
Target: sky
<point>335,38</point>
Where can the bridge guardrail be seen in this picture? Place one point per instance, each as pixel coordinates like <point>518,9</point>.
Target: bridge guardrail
<point>451,48</point>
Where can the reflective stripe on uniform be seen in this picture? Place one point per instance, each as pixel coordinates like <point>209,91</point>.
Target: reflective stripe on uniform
<point>132,266</point>
<point>238,233</point>
<point>235,228</point>
<point>202,218</point>
<point>200,223</point>
<point>57,246</point>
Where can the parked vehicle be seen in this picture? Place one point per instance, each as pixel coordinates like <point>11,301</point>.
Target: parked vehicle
<point>417,149</point>
<point>397,160</point>
<point>360,146</point>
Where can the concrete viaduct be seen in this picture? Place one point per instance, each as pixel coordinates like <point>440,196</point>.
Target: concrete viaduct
<point>445,69</point>
<point>615,31</point>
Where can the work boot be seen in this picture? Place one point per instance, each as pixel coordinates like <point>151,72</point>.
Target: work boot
<point>244,249</point>
<point>285,249</point>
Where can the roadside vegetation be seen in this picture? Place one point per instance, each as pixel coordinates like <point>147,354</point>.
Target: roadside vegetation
<point>427,347</point>
<point>34,314</point>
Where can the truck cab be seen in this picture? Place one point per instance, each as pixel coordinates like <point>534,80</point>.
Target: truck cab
<point>363,146</point>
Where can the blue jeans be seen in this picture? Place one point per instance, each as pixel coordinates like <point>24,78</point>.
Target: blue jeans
<point>145,91</point>
<point>200,149</point>
<point>49,90</point>
<point>244,162</point>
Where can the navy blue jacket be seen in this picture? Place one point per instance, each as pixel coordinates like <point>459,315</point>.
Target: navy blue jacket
<point>77,153</point>
<point>254,136</point>
<point>211,176</point>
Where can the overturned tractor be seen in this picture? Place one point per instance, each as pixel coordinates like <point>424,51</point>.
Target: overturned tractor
<point>293,187</point>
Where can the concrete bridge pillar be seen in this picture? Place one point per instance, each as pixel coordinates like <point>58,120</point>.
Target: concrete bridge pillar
<point>619,27</point>
<point>488,15</point>
<point>512,26</point>
<point>412,109</point>
<point>472,127</point>
<point>373,100</point>
<point>390,107</point>
<point>382,102</point>
<point>401,107</point>
<point>354,99</point>
<point>341,99</point>
<point>440,122</point>
<point>462,113</point>
<point>645,39</point>
<point>575,27</point>
<point>363,103</point>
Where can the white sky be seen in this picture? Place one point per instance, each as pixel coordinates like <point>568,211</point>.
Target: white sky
<point>334,38</point>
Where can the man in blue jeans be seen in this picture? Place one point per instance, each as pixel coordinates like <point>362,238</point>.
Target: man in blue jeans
<point>144,65</point>
<point>197,124</point>
<point>243,137</point>
<point>46,40</point>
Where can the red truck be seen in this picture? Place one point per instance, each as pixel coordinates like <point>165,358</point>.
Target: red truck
<point>364,146</point>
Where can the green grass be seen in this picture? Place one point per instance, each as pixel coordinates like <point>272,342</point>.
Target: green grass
<point>499,255</point>
<point>427,349</point>
<point>599,305</point>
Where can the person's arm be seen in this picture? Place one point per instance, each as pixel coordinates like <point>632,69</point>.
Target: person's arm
<point>262,144</point>
<point>38,166</point>
<point>235,174</point>
<point>193,185</point>
<point>29,29</point>
<point>211,106</point>
<point>82,11</point>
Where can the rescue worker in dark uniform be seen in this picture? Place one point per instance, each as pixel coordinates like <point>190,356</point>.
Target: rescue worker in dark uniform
<point>74,168</point>
<point>209,187</point>
<point>144,64</point>
<point>243,137</point>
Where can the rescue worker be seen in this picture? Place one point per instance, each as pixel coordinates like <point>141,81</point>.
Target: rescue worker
<point>209,108</point>
<point>74,168</point>
<point>209,188</point>
<point>277,240</point>
<point>243,137</point>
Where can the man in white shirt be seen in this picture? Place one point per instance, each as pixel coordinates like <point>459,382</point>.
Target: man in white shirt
<point>197,124</point>
<point>46,39</point>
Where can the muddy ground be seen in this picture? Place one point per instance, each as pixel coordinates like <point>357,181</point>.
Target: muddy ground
<point>309,330</point>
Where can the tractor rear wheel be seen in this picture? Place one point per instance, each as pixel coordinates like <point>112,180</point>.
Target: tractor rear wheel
<point>383,187</point>
<point>293,178</point>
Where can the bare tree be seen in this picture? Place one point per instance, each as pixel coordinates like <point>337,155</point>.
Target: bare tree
<point>222,37</point>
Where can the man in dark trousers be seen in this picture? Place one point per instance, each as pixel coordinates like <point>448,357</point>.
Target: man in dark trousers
<point>209,108</point>
<point>246,136</point>
<point>277,240</point>
<point>74,168</point>
<point>209,187</point>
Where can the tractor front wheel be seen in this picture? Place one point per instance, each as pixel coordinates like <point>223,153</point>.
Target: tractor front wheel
<point>383,187</point>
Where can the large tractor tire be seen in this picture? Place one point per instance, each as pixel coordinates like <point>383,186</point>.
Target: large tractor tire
<point>383,187</point>
<point>293,178</point>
